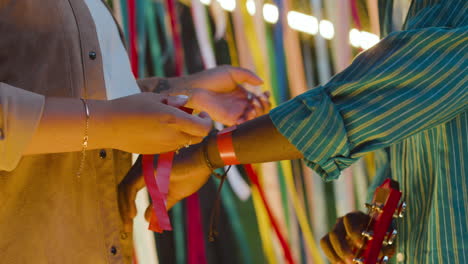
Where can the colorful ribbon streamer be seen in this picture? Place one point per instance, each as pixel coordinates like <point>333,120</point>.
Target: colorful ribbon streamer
<point>159,219</point>
<point>179,50</point>
<point>284,245</point>
<point>195,242</point>
<point>132,34</point>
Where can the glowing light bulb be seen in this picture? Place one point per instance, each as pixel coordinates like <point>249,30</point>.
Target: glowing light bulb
<point>302,22</point>
<point>270,13</point>
<point>205,2</point>
<point>228,5</point>
<point>368,40</point>
<point>251,9</point>
<point>355,38</point>
<point>326,29</point>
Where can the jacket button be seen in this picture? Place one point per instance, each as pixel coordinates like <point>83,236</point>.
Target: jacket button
<point>92,55</point>
<point>113,250</point>
<point>102,154</point>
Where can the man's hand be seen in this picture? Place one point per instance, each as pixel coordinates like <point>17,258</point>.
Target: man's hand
<point>219,92</point>
<point>127,191</point>
<point>340,245</point>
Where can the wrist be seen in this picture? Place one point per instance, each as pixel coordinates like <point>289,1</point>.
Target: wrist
<point>182,86</point>
<point>102,132</point>
<point>178,86</point>
<point>192,158</point>
<point>212,151</point>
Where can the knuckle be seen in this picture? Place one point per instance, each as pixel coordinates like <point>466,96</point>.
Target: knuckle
<point>225,67</point>
<point>196,140</point>
<point>334,236</point>
<point>338,223</point>
<point>348,215</point>
<point>169,118</point>
<point>324,240</point>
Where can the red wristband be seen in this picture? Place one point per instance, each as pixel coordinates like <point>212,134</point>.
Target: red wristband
<point>226,147</point>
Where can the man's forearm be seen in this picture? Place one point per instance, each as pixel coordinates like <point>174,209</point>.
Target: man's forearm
<point>255,141</point>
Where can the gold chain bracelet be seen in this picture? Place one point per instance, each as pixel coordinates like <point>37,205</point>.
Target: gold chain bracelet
<point>85,139</point>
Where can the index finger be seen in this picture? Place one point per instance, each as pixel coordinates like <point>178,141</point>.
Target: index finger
<point>198,126</point>
<point>327,248</point>
<point>354,224</point>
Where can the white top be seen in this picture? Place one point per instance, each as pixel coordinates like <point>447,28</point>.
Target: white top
<point>400,11</point>
<point>118,75</point>
<point>121,82</point>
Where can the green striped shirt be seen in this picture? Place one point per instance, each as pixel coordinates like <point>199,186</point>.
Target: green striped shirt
<point>407,95</point>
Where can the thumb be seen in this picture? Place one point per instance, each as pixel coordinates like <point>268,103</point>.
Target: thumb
<point>241,75</point>
<point>177,101</point>
<point>149,212</point>
<point>170,203</point>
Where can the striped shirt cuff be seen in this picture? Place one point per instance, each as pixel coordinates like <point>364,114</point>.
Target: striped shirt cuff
<point>313,125</point>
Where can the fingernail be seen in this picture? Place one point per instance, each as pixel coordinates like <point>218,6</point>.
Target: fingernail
<point>182,97</point>
<point>204,115</point>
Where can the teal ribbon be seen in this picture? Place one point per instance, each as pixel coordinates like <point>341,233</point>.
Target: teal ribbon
<point>141,36</point>
<point>227,199</point>
<point>154,39</point>
<point>179,234</point>
<point>123,6</point>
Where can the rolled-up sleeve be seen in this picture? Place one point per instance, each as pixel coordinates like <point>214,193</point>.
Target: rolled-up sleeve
<point>411,81</point>
<point>20,114</point>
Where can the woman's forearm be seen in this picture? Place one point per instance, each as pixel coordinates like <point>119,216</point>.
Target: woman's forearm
<point>63,123</point>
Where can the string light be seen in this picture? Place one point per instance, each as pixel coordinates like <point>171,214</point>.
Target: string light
<point>302,22</point>
<point>270,13</point>
<point>326,29</point>
<point>205,2</point>
<point>250,4</point>
<point>355,38</point>
<point>362,39</point>
<point>368,40</point>
<point>228,5</point>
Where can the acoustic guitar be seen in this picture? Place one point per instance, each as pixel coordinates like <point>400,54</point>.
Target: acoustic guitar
<point>385,207</point>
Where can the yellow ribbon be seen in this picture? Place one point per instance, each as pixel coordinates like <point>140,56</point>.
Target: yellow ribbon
<point>263,226</point>
<point>300,212</point>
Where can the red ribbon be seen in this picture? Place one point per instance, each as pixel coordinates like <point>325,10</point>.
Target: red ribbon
<point>159,218</point>
<point>132,28</point>
<point>254,179</point>
<point>176,37</point>
<point>158,187</point>
<point>195,241</point>
<point>355,14</point>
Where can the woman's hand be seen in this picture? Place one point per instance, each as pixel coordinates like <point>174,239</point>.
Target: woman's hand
<point>219,92</point>
<point>150,123</point>
<point>146,123</point>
